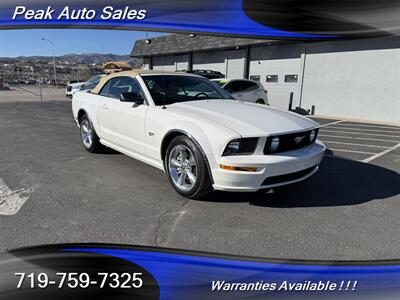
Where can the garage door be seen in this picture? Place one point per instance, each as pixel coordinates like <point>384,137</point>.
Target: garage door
<point>164,63</point>
<point>182,62</point>
<point>214,60</point>
<point>279,70</point>
<point>146,63</point>
<point>235,61</point>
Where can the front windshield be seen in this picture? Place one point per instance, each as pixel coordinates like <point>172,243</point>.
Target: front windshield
<point>94,79</point>
<point>91,83</point>
<point>169,89</point>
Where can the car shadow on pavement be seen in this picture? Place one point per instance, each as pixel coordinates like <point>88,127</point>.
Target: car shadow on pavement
<point>338,182</point>
<point>107,150</point>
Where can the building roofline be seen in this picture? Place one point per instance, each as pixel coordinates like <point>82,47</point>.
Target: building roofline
<point>174,44</point>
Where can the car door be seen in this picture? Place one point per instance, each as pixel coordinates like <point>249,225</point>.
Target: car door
<point>123,123</point>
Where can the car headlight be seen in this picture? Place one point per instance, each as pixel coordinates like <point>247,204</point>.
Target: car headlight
<point>243,146</point>
<point>274,144</point>
<point>313,135</point>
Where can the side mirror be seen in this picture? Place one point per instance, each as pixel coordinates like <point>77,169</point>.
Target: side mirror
<point>131,97</point>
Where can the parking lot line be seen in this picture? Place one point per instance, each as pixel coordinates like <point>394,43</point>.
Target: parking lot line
<point>369,159</point>
<point>332,123</point>
<point>11,201</point>
<point>357,138</point>
<point>354,144</point>
<point>362,129</point>
<point>352,151</point>
<point>370,125</point>
<point>347,132</point>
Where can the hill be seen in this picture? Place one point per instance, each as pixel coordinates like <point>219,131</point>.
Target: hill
<point>84,58</point>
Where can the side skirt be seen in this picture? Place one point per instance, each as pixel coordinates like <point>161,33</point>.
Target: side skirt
<point>143,158</point>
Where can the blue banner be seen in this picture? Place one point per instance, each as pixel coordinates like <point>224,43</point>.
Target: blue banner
<point>92,270</point>
<point>282,19</point>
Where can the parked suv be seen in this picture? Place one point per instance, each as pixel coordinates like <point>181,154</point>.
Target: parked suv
<point>72,87</point>
<point>244,90</point>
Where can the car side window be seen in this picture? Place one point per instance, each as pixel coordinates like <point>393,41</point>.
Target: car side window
<point>248,86</point>
<point>105,89</point>
<point>115,86</point>
<point>135,88</point>
<point>233,87</point>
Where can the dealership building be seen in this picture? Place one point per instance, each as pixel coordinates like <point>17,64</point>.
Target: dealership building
<point>355,79</point>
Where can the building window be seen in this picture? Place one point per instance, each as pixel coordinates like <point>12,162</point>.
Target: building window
<point>255,78</point>
<point>291,78</point>
<point>272,78</point>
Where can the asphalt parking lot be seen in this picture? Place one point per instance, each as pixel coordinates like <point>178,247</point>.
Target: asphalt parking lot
<point>348,210</point>
<point>358,141</point>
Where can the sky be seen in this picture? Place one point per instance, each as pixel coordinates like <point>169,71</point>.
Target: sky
<point>27,42</point>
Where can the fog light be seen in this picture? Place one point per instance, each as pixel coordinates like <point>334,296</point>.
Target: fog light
<point>232,168</point>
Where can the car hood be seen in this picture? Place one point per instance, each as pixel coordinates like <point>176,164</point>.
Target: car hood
<point>246,119</point>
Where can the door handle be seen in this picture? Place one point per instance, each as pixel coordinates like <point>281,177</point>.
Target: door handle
<point>104,106</point>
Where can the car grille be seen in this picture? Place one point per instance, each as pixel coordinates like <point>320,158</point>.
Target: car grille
<point>288,177</point>
<point>292,141</point>
<point>69,88</point>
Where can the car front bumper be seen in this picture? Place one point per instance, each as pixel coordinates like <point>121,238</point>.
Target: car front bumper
<point>272,170</point>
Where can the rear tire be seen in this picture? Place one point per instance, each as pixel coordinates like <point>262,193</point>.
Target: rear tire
<point>89,138</point>
<point>187,169</point>
<point>260,101</point>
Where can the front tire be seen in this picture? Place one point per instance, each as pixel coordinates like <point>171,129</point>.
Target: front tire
<point>260,101</point>
<point>187,169</point>
<point>89,138</point>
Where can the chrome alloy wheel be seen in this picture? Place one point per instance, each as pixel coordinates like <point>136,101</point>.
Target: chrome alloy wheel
<point>182,167</point>
<point>86,133</point>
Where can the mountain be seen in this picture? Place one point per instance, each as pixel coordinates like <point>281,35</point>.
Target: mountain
<point>84,58</point>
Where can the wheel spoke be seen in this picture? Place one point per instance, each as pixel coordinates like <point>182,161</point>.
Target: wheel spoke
<point>175,163</point>
<point>181,179</point>
<point>174,153</point>
<point>179,151</point>
<point>191,177</point>
<point>84,127</point>
<point>192,161</point>
<point>182,153</point>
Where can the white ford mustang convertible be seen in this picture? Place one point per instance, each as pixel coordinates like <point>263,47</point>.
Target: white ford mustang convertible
<point>193,130</point>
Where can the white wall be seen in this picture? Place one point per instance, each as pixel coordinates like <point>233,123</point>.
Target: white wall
<point>278,60</point>
<point>354,84</point>
<point>235,64</point>
<point>353,79</point>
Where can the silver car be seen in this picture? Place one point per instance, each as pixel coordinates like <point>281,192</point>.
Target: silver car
<point>244,90</point>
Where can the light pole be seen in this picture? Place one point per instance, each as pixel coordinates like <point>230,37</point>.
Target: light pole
<point>54,61</point>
